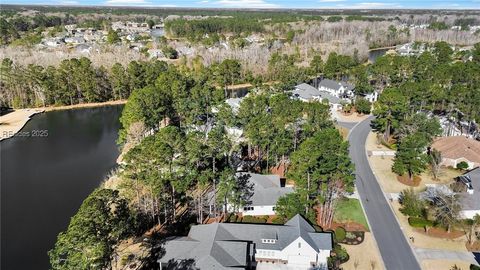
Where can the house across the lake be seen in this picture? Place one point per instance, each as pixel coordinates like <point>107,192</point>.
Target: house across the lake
<point>246,246</point>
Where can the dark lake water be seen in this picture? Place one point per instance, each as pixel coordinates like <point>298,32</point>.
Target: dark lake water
<point>45,179</point>
<point>374,54</point>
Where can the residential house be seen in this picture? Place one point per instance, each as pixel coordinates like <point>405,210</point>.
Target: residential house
<point>74,40</point>
<point>266,190</point>
<point>456,149</point>
<point>248,246</point>
<point>371,97</point>
<point>308,93</point>
<point>336,89</point>
<point>466,186</point>
<point>470,197</point>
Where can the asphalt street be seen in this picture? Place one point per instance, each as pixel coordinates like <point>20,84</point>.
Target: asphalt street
<point>394,248</point>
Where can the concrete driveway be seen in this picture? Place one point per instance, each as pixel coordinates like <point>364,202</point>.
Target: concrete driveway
<point>438,254</point>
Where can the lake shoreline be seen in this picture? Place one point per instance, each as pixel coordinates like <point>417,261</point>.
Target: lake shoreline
<point>13,122</point>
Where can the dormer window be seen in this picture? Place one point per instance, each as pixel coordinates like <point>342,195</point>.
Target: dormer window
<point>269,241</point>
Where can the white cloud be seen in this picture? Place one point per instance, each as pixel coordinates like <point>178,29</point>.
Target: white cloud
<point>246,4</point>
<point>330,1</point>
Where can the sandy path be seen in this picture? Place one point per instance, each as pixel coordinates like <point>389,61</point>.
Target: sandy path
<point>84,105</point>
<point>13,122</point>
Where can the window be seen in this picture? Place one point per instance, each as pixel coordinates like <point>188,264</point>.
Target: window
<point>299,245</point>
<point>248,208</point>
<point>269,241</point>
<point>273,208</point>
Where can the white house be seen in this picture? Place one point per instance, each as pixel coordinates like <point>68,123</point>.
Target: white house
<point>245,246</point>
<point>308,93</point>
<point>336,89</point>
<point>266,190</point>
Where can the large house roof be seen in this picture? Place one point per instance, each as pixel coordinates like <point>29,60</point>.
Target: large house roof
<point>308,92</point>
<point>229,245</point>
<point>267,189</point>
<point>331,84</point>
<point>456,147</point>
<point>305,91</point>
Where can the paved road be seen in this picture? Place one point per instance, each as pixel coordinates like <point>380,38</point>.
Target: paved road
<point>348,125</point>
<point>394,248</point>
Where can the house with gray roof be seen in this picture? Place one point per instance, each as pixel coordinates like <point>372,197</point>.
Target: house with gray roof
<point>337,89</point>
<point>266,190</point>
<point>246,246</point>
<point>470,198</point>
<point>308,93</point>
<point>467,187</point>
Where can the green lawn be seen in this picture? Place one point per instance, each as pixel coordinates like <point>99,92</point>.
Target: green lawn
<point>350,210</point>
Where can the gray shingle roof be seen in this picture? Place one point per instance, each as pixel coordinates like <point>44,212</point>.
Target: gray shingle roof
<point>329,97</point>
<point>266,189</point>
<point>305,91</point>
<point>472,201</point>
<point>335,85</point>
<point>228,245</point>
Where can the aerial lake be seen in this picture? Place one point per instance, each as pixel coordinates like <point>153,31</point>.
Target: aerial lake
<point>46,171</point>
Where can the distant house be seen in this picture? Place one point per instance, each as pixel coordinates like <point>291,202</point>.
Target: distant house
<point>456,149</point>
<point>266,190</point>
<point>336,89</point>
<point>295,245</point>
<point>74,40</point>
<point>371,97</point>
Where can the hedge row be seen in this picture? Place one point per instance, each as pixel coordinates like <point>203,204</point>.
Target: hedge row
<point>419,222</point>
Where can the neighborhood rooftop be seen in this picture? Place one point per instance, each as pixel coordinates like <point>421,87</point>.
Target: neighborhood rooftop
<point>267,189</point>
<point>471,201</point>
<point>456,147</point>
<point>231,245</point>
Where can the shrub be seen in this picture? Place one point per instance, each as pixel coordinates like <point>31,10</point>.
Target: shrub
<point>278,220</point>
<point>340,234</point>
<point>419,222</point>
<point>253,219</point>
<point>474,267</point>
<point>363,106</point>
<point>411,203</point>
<point>462,165</point>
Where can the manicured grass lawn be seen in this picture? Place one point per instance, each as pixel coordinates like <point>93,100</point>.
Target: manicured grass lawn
<point>350,210</point>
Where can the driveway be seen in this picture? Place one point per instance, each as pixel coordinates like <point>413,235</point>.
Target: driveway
<point>438,254</point>
<point>394,248</point>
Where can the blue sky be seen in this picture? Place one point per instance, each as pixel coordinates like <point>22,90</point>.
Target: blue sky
<point>320,4</point>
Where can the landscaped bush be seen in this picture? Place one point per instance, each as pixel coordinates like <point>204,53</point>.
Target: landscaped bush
<point>462,165</point>
<point>340,234</point>
<point>418,222</point>
<point>278,220</point>
<point>474,267</point>
<point>233,218</point>
<point>253,219</point>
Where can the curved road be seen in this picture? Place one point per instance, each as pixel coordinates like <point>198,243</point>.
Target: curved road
<point>394,248</point>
